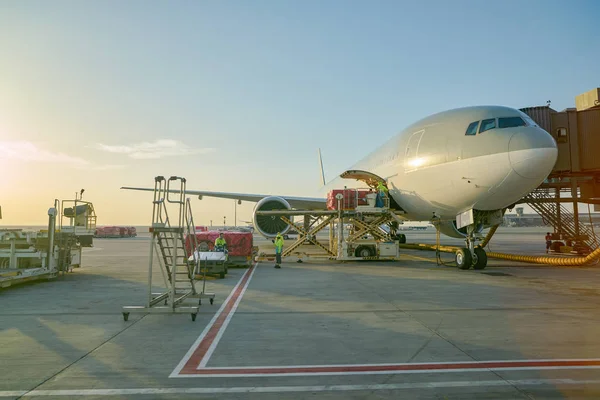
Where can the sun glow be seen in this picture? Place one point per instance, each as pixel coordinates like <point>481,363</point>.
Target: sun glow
<point>416,162</point>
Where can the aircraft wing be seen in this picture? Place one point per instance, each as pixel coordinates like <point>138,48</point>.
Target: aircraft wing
<point>310,203</point>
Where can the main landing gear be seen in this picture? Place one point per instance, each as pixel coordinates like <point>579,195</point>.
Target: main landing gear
<point>471,256</point>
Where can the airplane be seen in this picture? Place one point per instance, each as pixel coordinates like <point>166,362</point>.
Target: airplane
<point>458,169</point>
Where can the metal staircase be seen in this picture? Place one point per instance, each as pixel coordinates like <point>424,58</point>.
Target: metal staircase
<point>168,250</point>
<point>563,220</point>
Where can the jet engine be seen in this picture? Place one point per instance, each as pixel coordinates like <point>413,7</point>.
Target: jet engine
<point>448,228</point>
<point>269,225</point>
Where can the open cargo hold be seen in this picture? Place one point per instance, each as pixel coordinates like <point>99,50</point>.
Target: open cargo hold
<point>239,245</point>
<point>352,198</point>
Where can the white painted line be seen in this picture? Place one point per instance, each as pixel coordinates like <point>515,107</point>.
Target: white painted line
<point>13,393</point>
<point>389,372</point>
<point>291,389</point>
<point>542,360</point>
<point>192,349</point>
<point>215,342</point>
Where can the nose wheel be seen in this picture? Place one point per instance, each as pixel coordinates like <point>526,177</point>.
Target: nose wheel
<point>471,256</point>
<point>464,259</point>
<point>480,258</point>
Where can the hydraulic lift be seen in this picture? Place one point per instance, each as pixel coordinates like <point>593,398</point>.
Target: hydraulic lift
<point>354,234</point>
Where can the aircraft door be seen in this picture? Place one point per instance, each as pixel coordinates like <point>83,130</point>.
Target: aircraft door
<point>411,155</point>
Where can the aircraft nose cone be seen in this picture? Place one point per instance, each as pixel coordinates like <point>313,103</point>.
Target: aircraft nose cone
<point>532,153</point>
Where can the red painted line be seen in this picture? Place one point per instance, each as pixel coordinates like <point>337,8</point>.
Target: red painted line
<point>191,366</point>
<point>483,365</point>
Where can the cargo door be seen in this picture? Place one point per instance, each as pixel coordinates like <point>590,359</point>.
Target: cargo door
<point>369,178</point>
<point>411,155</point>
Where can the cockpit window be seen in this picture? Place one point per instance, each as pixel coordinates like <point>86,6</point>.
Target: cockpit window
<point>472,129</point>
<point>510,122</point>
<point>487,124</point>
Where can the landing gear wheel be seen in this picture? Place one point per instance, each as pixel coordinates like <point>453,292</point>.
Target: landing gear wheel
<point>125,316</point>
<point>194,317</point>
<point>480,259</point>
<point>463,258</point>
<point>212,301</point>
<point>402,238</point>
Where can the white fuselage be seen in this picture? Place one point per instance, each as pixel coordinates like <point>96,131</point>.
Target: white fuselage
<point>433,166</point>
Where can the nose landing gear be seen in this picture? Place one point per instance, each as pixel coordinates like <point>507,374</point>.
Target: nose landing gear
<point>471,256</point>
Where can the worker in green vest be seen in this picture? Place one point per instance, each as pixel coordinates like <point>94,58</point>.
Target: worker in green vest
<point>220,243</point>
<point>382,193</point>
<point>278,249</point>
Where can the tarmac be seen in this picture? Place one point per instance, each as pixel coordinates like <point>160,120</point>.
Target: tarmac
<point>381,330</point>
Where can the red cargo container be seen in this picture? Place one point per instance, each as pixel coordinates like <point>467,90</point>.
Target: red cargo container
<point>239,244</point>
<point>202,228</point>
<point>108,231</point>
<point>115,231</point>
<point>352,198</point>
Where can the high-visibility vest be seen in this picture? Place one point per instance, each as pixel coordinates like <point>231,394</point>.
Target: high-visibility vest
<point>381,187</point>
<point>220,242</point>
<point>279,243</point>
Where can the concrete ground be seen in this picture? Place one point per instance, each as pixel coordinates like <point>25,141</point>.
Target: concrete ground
<point>406,329</point>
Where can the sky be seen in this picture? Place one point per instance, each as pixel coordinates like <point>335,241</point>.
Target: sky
<point>239,95</point>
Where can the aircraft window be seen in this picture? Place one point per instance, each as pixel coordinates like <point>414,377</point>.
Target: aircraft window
<point>487,124</point>
<point>510,122</point>
<point>472,129</point>
<point>561,134</point>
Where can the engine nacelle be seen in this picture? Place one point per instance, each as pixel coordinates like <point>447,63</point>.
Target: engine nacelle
<point>448,228</point>
<point>270,225</point>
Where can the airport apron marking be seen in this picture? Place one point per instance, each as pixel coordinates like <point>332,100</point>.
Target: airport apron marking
<point>194,362</point>
<point>292,389</point>
<point>202,349</point>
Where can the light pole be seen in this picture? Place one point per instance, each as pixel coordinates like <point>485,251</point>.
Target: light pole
<point>224,219</point>
<point>235,211</point>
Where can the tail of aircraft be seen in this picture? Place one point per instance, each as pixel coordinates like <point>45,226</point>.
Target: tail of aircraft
<point>321,169</point>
